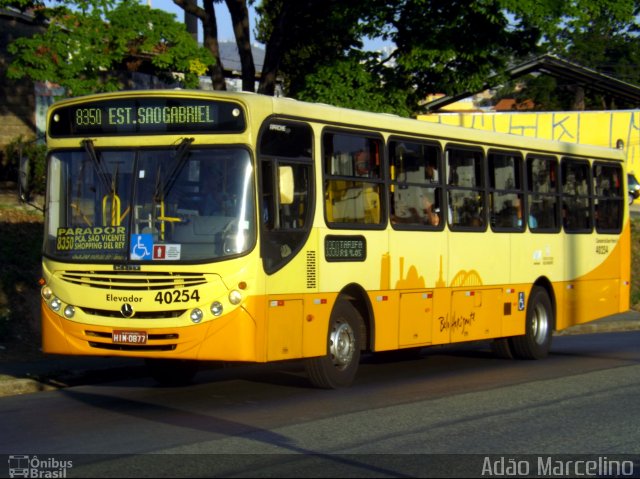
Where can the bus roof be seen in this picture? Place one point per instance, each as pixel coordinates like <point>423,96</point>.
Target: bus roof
<point>382,122</point>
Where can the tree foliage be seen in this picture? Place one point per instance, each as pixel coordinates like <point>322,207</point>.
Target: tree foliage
<point>316,46</point>
<point>443,46</point>
<point>87,48</point>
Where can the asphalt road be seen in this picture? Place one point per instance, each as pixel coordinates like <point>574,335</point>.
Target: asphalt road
<point>55,372</point>
<point>438,415</point>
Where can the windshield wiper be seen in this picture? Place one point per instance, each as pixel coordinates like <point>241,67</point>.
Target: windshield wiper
<point>179,162</point>
<point>102,174</point>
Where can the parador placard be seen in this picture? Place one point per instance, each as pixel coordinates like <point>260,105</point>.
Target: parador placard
<point>94,238</point>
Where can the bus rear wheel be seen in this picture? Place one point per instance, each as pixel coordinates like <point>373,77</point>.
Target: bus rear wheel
<point>535,343</point>
<point>338,367</point>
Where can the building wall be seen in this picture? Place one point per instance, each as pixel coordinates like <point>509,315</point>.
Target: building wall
<point>601,128</point>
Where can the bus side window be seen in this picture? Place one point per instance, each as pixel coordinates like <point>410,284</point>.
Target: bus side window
<point>576,196</point>
<point>415,191</point>
<point>465,188</point>
<point>506,195</point>
<point>609,206</point>
<point>352,185</point>
<point>542,195</point>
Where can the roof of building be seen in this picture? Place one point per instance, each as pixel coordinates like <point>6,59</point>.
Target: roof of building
<point>231,59</point>
<point>559,68</point>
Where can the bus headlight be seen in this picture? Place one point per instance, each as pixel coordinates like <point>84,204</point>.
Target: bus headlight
<point>216,308</point>
<point>55,304</point>
<point>196,315</point>
<point>47,293</point>
<point>235,297</point>
<point>69,311</point>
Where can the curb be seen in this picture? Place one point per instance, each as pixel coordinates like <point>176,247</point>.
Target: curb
<point>611,326</point>
<point>57,379</point>
<point>15,387</point>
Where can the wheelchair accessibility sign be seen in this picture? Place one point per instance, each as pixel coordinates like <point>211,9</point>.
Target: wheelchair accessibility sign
<point>141,247</point>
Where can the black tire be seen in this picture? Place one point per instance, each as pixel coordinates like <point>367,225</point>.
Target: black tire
<point>172,372</point>
<point>535,343</point>
<point>337,369</point>
<point>501,348</point>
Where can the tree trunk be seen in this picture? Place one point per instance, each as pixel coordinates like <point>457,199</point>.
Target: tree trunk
<point>190,20</point>
<point>207,16</point>
<point>240,19</point>
<point>273,54</point>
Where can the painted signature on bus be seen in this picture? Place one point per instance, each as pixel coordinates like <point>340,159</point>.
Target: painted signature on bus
<point>460,323</point>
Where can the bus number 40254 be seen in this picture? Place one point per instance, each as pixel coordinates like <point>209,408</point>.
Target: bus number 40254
<point>177,296</point>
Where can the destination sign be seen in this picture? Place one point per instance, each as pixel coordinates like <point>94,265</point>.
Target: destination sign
<point>345,248</point>
<point>146,116</point>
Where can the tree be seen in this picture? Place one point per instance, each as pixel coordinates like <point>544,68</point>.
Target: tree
<point>598,35</point>
<point>240,19</point>
<point>305,35</point>
<point>347,83</point>
<point>207,16</point>
<point>447,46</point>
<point>93,47</point>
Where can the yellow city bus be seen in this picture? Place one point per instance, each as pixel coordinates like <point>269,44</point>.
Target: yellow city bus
<point>190,226</point>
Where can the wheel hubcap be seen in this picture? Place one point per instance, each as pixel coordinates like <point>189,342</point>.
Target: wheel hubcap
<point>342,344</point>
<point>540,324</point>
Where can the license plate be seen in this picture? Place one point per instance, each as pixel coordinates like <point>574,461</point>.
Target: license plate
<point>130,337</point>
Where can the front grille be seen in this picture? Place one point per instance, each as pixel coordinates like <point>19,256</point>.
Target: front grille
<point>133,280</point>
<point>133,347</point>
<point>110,313</point>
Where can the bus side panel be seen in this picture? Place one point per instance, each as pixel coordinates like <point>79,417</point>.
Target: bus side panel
<point>416,317</point>
<point>475,314</point>
<point>385,308</point>
<point>284,329</point>
<point>602,291</point>
<point>514,310</point>
<point>315,324</point>
<point>587,300</point>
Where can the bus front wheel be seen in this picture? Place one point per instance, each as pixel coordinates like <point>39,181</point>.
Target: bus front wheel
<point>535,343</point>
<point>339,366</point>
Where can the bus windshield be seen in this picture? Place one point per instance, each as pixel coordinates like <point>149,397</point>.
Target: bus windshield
<point>174,204</point>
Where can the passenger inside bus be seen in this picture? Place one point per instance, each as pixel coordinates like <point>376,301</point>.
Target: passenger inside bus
<point>431,214</point>
<point>431,173</point>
